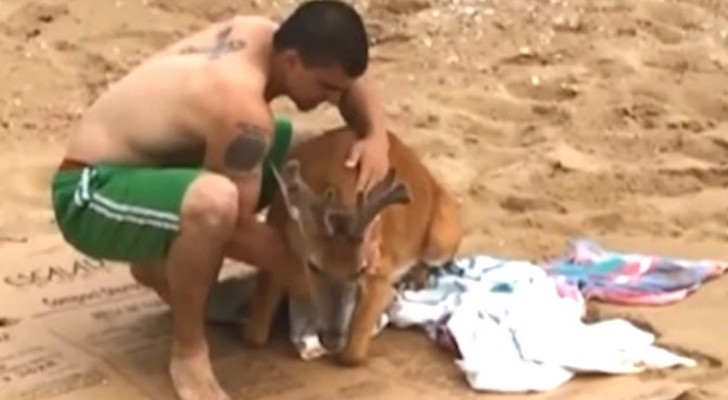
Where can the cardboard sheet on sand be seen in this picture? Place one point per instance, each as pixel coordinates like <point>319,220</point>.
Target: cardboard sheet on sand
<point>79,329</point>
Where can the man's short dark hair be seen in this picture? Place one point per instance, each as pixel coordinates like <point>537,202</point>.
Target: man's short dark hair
<point>326,33</point>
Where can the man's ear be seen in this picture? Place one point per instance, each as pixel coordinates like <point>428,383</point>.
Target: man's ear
<point>292,59</point>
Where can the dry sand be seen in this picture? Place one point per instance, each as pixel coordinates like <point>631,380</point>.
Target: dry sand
<point>548,118</point>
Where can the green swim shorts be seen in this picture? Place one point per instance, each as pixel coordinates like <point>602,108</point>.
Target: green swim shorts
<point>130,213</point>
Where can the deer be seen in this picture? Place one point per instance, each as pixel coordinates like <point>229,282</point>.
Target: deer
<point>352,244</point>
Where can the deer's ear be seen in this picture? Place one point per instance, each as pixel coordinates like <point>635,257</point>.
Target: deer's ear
<point>329,194</point>
<point>292,187</point>
<point>336,222</point>
<point>292,168</point>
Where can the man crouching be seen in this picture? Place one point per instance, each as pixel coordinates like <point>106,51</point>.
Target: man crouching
<point>170,165</point>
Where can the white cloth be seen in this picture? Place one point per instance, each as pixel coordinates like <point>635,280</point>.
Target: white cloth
<point>304,328</point>
<point>518,331</point>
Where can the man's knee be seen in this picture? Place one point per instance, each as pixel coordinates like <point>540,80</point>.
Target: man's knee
<point>211,202</point>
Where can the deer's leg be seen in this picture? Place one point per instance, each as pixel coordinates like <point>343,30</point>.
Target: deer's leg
<point>445,232</point>
<point>376,295</point>
<point>266,298</point>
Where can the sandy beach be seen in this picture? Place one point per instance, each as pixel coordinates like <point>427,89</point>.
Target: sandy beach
<point>549,119</point>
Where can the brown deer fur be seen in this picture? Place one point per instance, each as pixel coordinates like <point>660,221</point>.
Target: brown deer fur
<point>416,223</point>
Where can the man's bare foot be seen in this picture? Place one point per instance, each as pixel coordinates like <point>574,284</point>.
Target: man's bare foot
<point>193,379</point>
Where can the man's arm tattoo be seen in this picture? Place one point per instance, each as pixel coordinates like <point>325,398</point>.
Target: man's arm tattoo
<point>246,151</point>
<point>223,45</point>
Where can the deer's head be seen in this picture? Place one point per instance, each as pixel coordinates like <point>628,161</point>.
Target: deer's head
<point>332,233</point>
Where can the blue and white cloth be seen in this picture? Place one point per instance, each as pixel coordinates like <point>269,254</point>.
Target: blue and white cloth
<point>516,329</point>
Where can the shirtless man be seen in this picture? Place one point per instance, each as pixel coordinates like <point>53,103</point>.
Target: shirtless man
<point>169,166</point>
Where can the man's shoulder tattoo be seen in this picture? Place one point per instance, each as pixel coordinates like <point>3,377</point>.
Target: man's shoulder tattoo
<point>223,45</point>
<point>248,148</point>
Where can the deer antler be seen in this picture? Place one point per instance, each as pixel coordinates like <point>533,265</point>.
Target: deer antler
<point>385,193</point>
<point>298,194</point>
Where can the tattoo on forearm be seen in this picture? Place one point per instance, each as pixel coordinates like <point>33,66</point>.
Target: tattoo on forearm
<point>247,150</point>
<point>223,45</point>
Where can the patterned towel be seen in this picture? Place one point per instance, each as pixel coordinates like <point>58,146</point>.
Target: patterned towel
<point>631,278</point>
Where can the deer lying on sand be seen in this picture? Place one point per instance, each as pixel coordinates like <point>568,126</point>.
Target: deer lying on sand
<point>353,243</point>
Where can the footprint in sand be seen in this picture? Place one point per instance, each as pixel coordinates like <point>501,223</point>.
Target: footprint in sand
<point>700,394</point>
<point>454,173</point>
<point>505,108</point>
<point>647,113</point>
<point>609,221</point>
<point>27,186</point>
<point>607,66</point>
<point>28,20</point>
<point>711,146</point>
<point>568,158</point>
<point>710,176</point>
<point>480,133</point>
<point>527,56</point>
<point>652,105</point>
<point>208,9</point>
<point>680,59</point>
<point>676,15</point>
<point>544,88</point>
<point>672,23</point>
<point>519,204</point>
<point>665,34</point>
<point>26,204</point>
<point>710,104</point>
<point>94,69</point>
<point>398,7</point>
<point>7,321</point>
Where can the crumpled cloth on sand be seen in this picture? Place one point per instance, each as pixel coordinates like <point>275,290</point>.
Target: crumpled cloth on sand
<point>511,326</point>
<point>631,278</point>
<point>516,329</point>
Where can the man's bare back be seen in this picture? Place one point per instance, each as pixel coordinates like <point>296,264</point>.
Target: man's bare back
<point>168,166</point>
<point>166,110</point>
